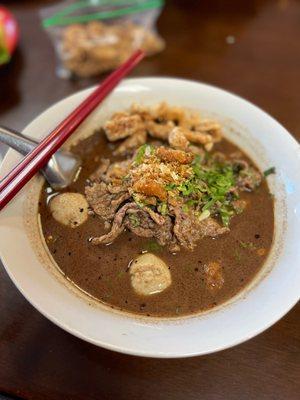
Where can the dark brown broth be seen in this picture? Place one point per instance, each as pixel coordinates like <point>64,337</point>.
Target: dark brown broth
<point>102,270</point>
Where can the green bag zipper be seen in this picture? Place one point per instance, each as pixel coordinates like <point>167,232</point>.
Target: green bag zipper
<point>88,4</point>
<point>62,17</point>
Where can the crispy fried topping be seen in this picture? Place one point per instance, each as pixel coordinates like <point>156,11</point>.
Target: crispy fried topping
<point>122,125</point>
<point>175,125</point>
<point>176,193</point>
<point>170,155</point>
<point>150,188</point>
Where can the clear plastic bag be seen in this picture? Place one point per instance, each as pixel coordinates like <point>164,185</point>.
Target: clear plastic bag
<point>94,36</point>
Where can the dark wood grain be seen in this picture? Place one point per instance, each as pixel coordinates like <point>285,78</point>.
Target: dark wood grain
<point>40,361</point>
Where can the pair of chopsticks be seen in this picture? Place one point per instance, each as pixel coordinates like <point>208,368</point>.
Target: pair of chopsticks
<point>36,159</point>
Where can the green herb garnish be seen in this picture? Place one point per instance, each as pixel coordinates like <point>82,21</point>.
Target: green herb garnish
<point>185,208</point>
<point>189,204</point>
<point>203,215</point>
<point>238,256</point>
<point>208,189</point>
<point>125,178</point>
<point>137,200</point>
<point>144,150</point>
<point>134,219</point>
<point>269,171</point>
<point>163,208</point>
<point>170,186</point>
<point>153,246</point>
<point>247,245</point>
<point>196,164</point>
<point>226,213</point>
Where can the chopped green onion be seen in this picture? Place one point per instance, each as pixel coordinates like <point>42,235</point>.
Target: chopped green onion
<point>145,150</point>
<point>134,219</point>
<point>238,256</point>
<point>153,246</point>
<point>247,245</point>
<point>269,171</point>
<point>205,214</point>
<point>163,208</point>
<point>137,200</point>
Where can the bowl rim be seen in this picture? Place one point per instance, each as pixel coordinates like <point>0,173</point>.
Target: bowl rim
<point>110,346</point>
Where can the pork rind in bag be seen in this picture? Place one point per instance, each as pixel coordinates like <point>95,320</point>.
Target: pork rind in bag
<point>94,36</point>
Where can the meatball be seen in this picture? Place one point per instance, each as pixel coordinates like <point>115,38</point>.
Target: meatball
<point>70,209</point>
<point>149,275</point>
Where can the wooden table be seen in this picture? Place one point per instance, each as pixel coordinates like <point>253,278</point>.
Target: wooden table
<point>249,47</point>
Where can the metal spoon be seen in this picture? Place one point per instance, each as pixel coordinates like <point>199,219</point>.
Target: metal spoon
<point>62,168</point>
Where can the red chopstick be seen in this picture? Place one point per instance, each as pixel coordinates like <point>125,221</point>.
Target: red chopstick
<point>36,159</point>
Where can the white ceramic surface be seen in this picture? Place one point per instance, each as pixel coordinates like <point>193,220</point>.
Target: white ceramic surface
<point>276,289</point>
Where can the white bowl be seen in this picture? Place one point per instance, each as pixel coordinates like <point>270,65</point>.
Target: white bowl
<point>272,294</point>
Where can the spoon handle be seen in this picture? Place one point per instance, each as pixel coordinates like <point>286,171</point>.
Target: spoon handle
<point>16,140</point>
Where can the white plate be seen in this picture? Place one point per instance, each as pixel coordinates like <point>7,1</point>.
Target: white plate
<point>273,293</point>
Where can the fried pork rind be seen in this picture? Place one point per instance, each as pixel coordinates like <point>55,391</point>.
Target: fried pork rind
<point>182,129</point>
<point>90,49</point>
<point>170,155</point>
<point>122,125</point>
<point>150,188</point>
<point>177,139</point>
<point>131,143</point>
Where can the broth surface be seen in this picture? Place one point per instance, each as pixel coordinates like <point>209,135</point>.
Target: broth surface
<point>102,271</point>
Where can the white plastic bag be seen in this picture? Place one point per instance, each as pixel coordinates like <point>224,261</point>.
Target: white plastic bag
<point>94,36</point>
